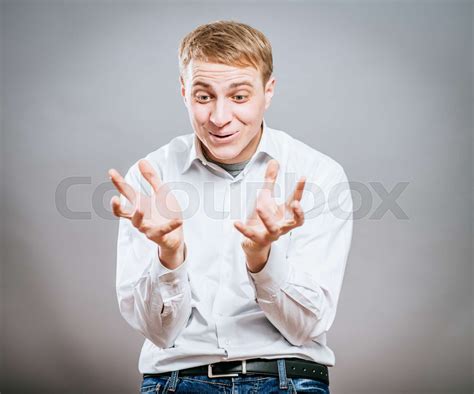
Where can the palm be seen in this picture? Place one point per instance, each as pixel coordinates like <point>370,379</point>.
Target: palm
<point>159,210</point>
<point>158,216</point>
<point>269,220</point>
<point>256,224</point>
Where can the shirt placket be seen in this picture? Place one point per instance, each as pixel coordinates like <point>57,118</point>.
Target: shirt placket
<point>221,302</point>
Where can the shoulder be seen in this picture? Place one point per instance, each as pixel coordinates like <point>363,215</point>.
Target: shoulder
<point>305,159</point>
<point>326,179</point>
<point>173,154</point>
<point>165,160</point>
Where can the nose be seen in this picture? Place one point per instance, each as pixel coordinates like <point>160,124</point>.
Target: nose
<point>221,113</point>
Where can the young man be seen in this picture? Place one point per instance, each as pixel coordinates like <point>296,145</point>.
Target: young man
<point>233,240</point>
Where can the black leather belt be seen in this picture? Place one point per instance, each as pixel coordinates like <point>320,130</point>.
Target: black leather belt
<point>295,368</point>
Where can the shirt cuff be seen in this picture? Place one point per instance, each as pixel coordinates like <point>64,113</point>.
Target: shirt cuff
<point>269,280</point>
<point>171,282</point>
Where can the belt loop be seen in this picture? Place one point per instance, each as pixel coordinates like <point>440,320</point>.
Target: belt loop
<point>282,374</point>
<point>173,381</point>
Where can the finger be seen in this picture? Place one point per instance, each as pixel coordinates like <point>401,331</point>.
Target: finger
<point>268,222</point>
<point>167,228</point>
<point>150,174</point>
<point>171,226</point>
<point>271,174</point>
<point>123,187</point>
<point>298,192</point>
<point>137,218</point>
<point>246,231</point>
<point>297,212</point>
<point>298,218</point>
<point>289,225</point>
<point>117,208</point>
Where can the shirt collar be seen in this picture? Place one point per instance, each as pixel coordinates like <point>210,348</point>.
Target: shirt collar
<point>266,145</point>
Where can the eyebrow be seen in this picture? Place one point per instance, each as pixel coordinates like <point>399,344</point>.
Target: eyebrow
<point>231,86</point>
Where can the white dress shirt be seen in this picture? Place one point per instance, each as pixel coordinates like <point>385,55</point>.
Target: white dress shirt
<point>211,308</point>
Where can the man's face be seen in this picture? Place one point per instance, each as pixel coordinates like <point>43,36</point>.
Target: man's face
<point>226,106</point>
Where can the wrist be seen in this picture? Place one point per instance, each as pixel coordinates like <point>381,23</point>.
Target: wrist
<point>257,259</point>
<point>172,258</point>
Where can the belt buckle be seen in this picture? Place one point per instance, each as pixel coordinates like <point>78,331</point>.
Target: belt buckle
<point>210,374</point>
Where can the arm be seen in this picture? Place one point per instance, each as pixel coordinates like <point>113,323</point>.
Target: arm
<point>153,299</point>
<point>152,284</point>
<point>298,287</point>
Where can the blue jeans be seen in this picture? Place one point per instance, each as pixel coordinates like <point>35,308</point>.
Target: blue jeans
<point>248,385</point>
<point>232,385</point>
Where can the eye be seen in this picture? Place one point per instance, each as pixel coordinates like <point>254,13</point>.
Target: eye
<point>240,98</point>
<point>203,98</point>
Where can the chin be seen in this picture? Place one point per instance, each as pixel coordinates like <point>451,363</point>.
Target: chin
<point>224,152</point>
<point>225,155</point>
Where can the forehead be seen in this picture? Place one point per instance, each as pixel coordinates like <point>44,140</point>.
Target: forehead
<point>216,74</point>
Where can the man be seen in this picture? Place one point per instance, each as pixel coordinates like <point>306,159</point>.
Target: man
<point>233,240</point>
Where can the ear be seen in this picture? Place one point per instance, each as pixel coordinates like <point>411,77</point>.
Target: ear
<point>269,90</point>
<point>183,90</point>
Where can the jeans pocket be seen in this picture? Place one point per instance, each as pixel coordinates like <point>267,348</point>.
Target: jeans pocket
<point>153,385</point>
<point>302,385</point>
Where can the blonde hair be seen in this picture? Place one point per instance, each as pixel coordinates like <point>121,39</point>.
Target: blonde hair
<point>227,42</point>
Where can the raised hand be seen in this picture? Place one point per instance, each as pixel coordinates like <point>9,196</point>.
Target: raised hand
<point>269,221</point>
<point>157,216</point>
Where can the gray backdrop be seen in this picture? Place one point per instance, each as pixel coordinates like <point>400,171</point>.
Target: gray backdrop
<point>384,88</point>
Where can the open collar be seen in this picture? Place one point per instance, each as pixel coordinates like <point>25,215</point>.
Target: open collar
<point>267,145</point>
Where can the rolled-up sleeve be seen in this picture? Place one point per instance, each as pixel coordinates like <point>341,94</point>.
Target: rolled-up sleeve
<point>299,287</point>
